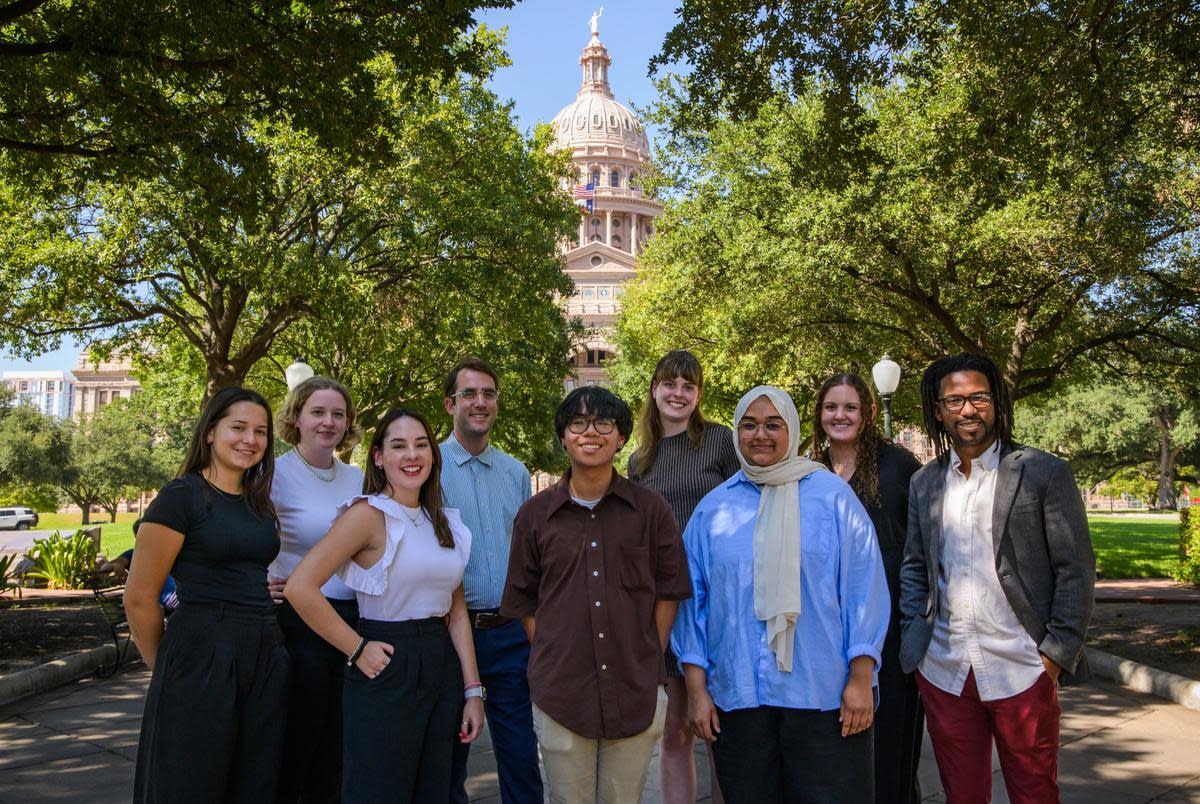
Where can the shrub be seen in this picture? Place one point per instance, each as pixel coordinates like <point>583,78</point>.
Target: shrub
<point>1189,547</point>
<point>8,575</point>
<point>63,563</point>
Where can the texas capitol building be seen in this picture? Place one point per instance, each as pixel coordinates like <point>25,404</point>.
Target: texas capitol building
<point>611,152</point>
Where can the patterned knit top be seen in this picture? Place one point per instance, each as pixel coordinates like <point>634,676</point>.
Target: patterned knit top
<point>684,473</point>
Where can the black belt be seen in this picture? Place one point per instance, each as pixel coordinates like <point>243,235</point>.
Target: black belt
<point>485,619</point>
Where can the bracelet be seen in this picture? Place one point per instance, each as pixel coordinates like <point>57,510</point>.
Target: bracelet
<point>362,643</point>
<point>473,686</point>
<point>475,691</point>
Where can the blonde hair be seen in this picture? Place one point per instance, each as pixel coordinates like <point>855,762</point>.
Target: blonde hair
<point>294,404</point>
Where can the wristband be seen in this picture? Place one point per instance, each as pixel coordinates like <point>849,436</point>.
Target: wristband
<point>362,643</point>
<point>475,691</point>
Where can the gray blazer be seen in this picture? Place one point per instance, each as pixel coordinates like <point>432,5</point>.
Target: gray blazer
<point>1043,556</point>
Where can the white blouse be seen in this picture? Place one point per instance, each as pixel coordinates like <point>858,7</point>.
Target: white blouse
<point>416,577</point>
<point>306,506</point>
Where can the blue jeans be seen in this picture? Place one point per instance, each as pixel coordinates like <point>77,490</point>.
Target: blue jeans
<point>503,657</point>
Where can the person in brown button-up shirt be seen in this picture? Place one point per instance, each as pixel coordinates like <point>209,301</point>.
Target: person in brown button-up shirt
<point>596,572</point>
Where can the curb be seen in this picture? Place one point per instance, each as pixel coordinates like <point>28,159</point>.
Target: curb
<point>1139,677</point>
<point>53,674</point>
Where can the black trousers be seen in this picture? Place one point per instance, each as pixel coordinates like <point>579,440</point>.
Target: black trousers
<point>311,769</point>
<point>774,755</point>
<point>213,725</point>
<point>400,727</point>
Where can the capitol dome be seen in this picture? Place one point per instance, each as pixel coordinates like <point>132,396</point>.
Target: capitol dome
<point>595,118</point>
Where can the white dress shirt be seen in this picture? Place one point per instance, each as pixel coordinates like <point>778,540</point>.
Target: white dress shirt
<point>976,628</point>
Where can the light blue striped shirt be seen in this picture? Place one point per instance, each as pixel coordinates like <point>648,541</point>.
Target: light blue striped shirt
<point>487,489</point>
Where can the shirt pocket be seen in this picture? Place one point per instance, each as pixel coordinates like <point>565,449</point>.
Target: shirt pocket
<point>635,573</point>
<point>817,540</point>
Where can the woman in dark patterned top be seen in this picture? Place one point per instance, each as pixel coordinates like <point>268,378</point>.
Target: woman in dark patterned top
<point>683,457</point>
<point>847,440</point>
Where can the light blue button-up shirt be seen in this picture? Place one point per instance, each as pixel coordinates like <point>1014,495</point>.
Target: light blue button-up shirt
<point>844,604</point>
<point>487,489</point>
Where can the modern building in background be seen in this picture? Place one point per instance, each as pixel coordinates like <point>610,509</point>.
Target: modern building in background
<point>611,153</point>
<point>51,392</point>
<point>99,382</point>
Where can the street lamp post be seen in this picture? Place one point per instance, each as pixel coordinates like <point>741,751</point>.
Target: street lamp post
<point>886,374</point>
<point>297,373</point>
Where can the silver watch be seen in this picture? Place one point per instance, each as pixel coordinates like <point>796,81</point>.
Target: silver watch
<point>476,692</point>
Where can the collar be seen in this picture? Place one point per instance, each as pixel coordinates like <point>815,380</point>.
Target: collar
<point>989,460</point>
<point>560,492</point>
<point>459,454</point>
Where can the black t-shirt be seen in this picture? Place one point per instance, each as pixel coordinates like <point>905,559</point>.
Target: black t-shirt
<point>226,548</point>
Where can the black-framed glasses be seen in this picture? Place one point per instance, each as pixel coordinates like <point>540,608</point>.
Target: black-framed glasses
<point>979,401</point>
<point>471,394</point>
<point>579,425</point>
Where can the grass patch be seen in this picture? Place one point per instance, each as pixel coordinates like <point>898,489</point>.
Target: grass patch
<point>115,537</point>
<point>1131,546</point>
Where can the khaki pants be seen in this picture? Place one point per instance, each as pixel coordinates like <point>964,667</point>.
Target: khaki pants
<point>581,770</point>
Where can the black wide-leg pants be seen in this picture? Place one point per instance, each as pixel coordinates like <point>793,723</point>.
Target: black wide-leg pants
<point>311,770</point>
<point>213,725</point>
<point>400,727</point>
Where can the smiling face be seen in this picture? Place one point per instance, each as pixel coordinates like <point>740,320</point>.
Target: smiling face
<point>323,420</point>
<point>406,458</point>
<point>473,418</point>
<point>591,449</point>
<point>676,400</point>
<point>762,434</point>
<point>842,415</point>
<point>971,429</point>
<point>238,440</point>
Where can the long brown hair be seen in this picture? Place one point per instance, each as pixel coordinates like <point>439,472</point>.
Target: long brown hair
<point>375,480</point>
<point>256,481</point>
<point>676,363</point>
<point>294,404</point>
<point>865,480</point>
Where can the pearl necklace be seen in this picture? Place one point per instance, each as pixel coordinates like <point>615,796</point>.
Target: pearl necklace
<point>324,475</point>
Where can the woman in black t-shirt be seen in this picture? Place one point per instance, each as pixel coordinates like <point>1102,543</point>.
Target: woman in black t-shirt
<point>847,440</point>
<point>213,724</point>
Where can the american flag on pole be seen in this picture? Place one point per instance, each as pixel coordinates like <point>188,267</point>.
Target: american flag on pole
<point>584,194</point>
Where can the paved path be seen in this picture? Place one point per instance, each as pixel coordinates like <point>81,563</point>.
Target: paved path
<point>78,743</point>
<point>1146,590</point>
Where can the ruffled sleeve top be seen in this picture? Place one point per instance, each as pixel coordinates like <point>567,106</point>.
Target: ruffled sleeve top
<point>416,577</point>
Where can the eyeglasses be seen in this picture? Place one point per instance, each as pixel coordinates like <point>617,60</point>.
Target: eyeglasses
<point>770,428</point>
<point>979,401</point>
<point>579,425</point>
<point>471,394</point>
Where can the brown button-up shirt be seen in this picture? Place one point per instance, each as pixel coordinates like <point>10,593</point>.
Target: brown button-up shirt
<point>591,579</point>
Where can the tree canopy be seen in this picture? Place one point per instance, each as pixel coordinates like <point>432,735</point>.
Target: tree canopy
<point>100,89</point>
<point>923,179</point>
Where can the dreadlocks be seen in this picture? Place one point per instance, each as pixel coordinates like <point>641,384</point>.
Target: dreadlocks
<point>931,387</point>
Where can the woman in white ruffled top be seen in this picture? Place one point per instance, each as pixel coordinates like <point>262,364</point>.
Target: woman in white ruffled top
<point>411,664</point>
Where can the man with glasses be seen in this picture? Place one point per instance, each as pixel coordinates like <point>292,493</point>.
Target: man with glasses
<point>995,589</point>
<point>488,487</point>
<point>596,573</point>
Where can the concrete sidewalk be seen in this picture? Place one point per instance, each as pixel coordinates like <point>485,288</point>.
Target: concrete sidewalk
<point>78,744</point>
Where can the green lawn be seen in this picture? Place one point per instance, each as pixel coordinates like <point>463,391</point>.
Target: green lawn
<point>115,537</point>
<point>1132,546</point>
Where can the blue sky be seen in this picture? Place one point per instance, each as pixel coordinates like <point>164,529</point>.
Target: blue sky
<point>545,38</point>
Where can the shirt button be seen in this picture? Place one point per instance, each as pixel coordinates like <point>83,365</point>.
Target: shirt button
<point>593,544</point>
<point>595,573</point>
<point>593,516</point>
<point>603,667</point>
<point>602,635</point>
<point>597,604</point>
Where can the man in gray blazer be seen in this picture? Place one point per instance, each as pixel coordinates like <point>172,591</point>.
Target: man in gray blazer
<point>996,588</point>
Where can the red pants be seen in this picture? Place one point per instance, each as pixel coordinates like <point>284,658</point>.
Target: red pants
<point>1025,728</point>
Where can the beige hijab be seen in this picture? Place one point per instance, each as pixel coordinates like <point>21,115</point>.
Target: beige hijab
<point>777,528</point>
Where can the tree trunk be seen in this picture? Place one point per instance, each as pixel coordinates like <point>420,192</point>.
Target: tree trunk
<point>87,515</point>
<point>1164,420</point>
<point>220,375</point>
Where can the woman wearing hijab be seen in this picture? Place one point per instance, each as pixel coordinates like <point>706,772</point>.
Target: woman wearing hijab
<point>781,641</point>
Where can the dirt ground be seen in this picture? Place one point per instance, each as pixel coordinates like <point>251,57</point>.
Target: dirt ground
<point>1166,636</point>
<point>1163,635</point>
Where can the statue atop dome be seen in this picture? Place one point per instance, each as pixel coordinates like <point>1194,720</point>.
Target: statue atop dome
<point>595,22</point>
